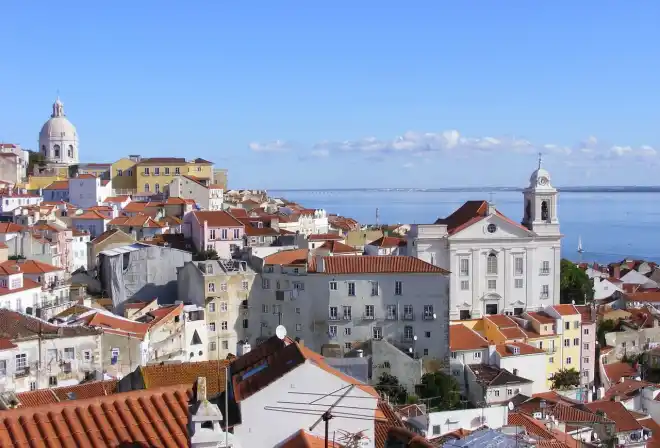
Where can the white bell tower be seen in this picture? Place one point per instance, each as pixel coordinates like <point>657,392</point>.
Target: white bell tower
<point>540,214</point>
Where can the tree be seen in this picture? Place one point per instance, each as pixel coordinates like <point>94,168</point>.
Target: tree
<point>206,255</point>
<point>16,257</point>
<point>574,284</point>
<point>565,379</point>
<point>35,158</point>
<point>440,391</point>
<point>389,384</point>
<point>604,327</point>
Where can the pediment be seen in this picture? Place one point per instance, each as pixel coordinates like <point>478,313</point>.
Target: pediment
<point>491,296</point>
<point>505,229</point>
<point>463,305</point>
<point>517,302</point>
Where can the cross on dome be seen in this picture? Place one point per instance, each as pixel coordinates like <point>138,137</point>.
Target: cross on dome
<point>58,108</point>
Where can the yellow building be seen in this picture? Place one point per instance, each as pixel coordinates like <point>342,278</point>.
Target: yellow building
<point>155,174</point>
<point>101,170</point>
<point>569,329</point>
<point>541,332</point>
<point>124,176</point>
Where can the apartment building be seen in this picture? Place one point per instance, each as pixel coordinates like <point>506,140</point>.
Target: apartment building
<point>223,287</point>
<point>217,230</point>
<point>339,301</point>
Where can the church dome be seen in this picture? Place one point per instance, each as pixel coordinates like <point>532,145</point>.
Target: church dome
<point>58,126</point>
<point>537,174</point>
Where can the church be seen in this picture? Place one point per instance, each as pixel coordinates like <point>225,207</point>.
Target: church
<point>58,140</point>
<point>497,265</point>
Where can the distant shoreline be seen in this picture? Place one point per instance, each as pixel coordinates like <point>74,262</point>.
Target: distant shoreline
<point>596,189</point>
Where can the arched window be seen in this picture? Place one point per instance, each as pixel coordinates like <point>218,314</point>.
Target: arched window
<point>157,188</point>
<point>56,150</point>
<point>146,187</point>
<point>545,215</point>
<point>43,149</point>
<point>70,151</point>
<point>491,266</point>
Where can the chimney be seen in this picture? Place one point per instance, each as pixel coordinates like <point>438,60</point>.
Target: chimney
<point>616,271</point>
<point>200,389</point>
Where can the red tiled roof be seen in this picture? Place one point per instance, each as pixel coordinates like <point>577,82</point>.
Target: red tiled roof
<point>117,325</point>
<point>524,349</point>
<point>615,411</point>
<point>58,394</point>
<point>462,338</point>
<point>7,344</point>
<point>162,160</point>
<point>378,264</point>
<point>116,199</point>
<point>216,219</point>
<point>383,427</point>
<point>89,214</point>
<point>138,220</point>
<point>144,418</point>
<point>162,375</point>
<point>650,296</point>
<point>541,317</point>
<point>288,257</point>
<point>618,370</point>
<point>502,321</point>
<point>58,185</point>
<point>238,212</point>
<point>533,426</point>
<point>32,267</point>
<point>468,214</point>
<point>27,284</point>
<point>626,388</point>
<point>135,207</point>
<point>566,310</point>
<point>10,227</point>
<point>164,313</point>
<point>388,242</point>
<point>337,247</point>
<point>324,237</point>
<point>303,439</point>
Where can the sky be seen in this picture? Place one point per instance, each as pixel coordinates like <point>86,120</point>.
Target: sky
<point>309,94</point>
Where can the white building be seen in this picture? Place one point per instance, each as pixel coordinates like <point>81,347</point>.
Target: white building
<point>188,187</point>
<point>79,248</point>
<point>91,222</point>
<point>305,222</point>
<point>88,190</point>
<point>346,300</point>
<point>51,279</point>
<point>496,264</point>
<point>216,197</point>
<point>18,293</point>
<point>11,199</point>
<point>58,139</point>
<point>604,288</point>
<point>13,163</point>
<point>436,424</point>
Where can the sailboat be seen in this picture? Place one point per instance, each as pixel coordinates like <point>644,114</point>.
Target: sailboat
<point>580,250</point>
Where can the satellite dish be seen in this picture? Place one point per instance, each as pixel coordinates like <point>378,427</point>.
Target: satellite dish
<point>510,406</point>
<point>280,332</point>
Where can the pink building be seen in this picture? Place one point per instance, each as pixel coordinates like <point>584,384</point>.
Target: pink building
<point>63,239</point>
<point>214,230</point>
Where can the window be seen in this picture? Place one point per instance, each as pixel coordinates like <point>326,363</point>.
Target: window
<point>156,171</point>
<point>177,171</point>
<point>497,393</point>
<point>223,287</point>
<point>333,286</point>
<point>492,284</point>
<point>491,308</point>
<point>223,234</point>
<point>509,392</point>
<point>223,325</point>
<point>428,312</point>
<point>576,341</point>
<point>129,172</point>
<point>465,285</point>
<point>120,173</point>
<point>568,360</point>
<point>427,334</point>
<point>3,367</point>
<point>518,283</point>
<point>551,360</point>
<point>585,331</point>
<point>545,293</point>
<point>408,333</point>
<point>297,310</point>
<point>146,187</point>
<point>465,267</point>
<point>298,327</point>
<point>477,355</point>
<point>264,308</point>
<point>157,188</point>
<point>211,307</point>
<point>212,346</point>
<point>225,344</point>
<point>454,355</point>
<point>146,170</point>
<point>223,307</point>
<point>377,333</point>
<point>436,430</point>
<point>374,288</point>
<point>21,361</point>
<point>333,313</point>
<point>518,265</point>
<point>567,342</point>
<point>585,373</point>
<point>167,170</point>
<point>491,264</point>
<point>369,311</point>
<point>211,287</point>
<point>567,325</point>
<point>33,385</point>
<point>347,331</point>
<point>346,312</point>
<point>398,288</point>
<point>211,234</point>
<point>347,345</point>
<point>237,234</point>
<point>515,372</point>
<point>585,346</point>
<point>332,331</point>
<point>300,286</point>
<point>265,283</point>
<point>408,312</point>
<point>517,311</point>
<point>586,360</point>
<point>245,284</point>
<point>391,312</point>
<point>212,326</point>
<point>52,381</point>
<point>351,288</point>
<point>69,353</point>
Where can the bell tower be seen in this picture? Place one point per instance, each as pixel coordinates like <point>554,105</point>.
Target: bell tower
<point>540,199</point>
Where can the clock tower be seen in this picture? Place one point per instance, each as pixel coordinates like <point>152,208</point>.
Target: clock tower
<point>540,214</point>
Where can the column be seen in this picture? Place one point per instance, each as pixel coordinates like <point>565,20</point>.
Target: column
<point>475,283</point>
<point>531,279</point>
<point>506,274</point>
<point>556,273</point>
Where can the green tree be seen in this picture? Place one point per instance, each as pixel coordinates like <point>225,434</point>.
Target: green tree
<point>35,158</point>
<point>604,327</point>
<point>389,384</point>
<point>565,379</point>
<point>16,257</point>
<point>440,392</point>
<point>205,255</point>
<point>574,284</point>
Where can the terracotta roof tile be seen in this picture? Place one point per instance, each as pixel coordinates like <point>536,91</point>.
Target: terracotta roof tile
<point>27,284</point>
<point>378,264</point>
<point>533,426</point>
<point>216,219</point>
<point>55,395</point>
<point>502,321</point>
<point>135,207</point>
<point>337,247</point>
<point>383,427</point>
<point>303,439</point>
<point>32,267</point>
<point>541,317</point>
<point>238,212</point>
<point>566,310</point>
<point>288,257</point>
<point>324,237</point>
<point>15,325</point>
<point>7,344</point>
<point>10,227</point>
<point>617,370</point>
<point>117,325</point>
<point>464,338</point>
<point>523,349</point>
<point>89,214</point>
<point>161,375</point>
<point>643,296</point>
<point>388,242</point>
<point>58,185</point>
<point>616,412</point>
<point>469,213</point>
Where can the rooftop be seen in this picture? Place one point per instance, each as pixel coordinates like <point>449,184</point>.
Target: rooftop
<point>462,338</point>
<point>494,376</point>
<point>367,264</point>
<point>615,411</point>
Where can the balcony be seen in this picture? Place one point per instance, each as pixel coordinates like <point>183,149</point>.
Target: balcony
<point>333,318</point>
<point>368,317</point>
<point>146,173</point>
<point>550,350</point>
<point>544,272</point>
<point>407,338</point>
<point>408,316</point>
<point>391,317</point>
<point>429,316</point>
<point>545,295</point>
<point>21,372</point>
<point>346,317</point>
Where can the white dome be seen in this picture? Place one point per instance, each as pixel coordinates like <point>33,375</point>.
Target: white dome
<point>541,172</point>
<point>58,127</point>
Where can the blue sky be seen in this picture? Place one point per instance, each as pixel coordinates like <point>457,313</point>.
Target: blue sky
<point>294,94</point>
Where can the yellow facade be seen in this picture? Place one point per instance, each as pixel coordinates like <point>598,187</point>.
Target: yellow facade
<point>155,174</point>
<point>98,171</point>
<point>124,176</point>
<point>571,348</point>
<point>36,182</point>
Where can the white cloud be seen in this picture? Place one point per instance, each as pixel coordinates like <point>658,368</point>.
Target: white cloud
<point>274,146</point>
<point>451,142</point>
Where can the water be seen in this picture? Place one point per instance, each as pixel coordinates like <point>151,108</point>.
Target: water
<point>612,225</point>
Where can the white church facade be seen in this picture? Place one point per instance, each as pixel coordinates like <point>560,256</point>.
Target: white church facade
<point>497,265</point>
<point>58,139</point>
